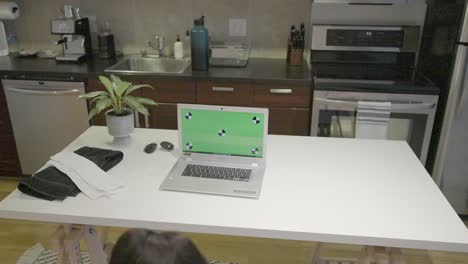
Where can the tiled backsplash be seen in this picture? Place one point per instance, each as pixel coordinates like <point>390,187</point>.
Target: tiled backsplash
<point>136,21</point>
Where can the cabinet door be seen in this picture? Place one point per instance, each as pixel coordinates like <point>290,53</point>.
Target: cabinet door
<point>167,95</point>
<point>163,116</point>
<point>170,92</point>
<point>289,121</point>
<point>95,85</point>
<point>224,94</point>
<point>9,161</point>
<point>282,96</point>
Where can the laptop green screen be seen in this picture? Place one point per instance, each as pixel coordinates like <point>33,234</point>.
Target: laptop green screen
<point>222,132</point>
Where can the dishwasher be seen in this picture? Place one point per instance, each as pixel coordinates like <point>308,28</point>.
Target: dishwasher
<point>45,116</point>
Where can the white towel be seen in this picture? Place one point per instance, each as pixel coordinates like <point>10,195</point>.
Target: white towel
<point>372,120</point>
<point>88,177</point>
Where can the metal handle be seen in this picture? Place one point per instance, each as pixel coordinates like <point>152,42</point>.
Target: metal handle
<point>44,92</point>
<point>147,125</point>
<point>395,106</point>
<point>281,91</point>
<point>137,120</point>
<point>222,89</point>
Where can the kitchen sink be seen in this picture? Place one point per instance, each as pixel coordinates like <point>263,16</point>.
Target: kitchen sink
<point>142,65</point>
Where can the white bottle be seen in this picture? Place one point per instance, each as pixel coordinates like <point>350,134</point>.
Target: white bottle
<point>187,46</point>
<point>178,49</point>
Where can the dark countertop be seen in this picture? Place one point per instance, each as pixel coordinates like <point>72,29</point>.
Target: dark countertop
<point>420,85</point>
<point>257,71</point>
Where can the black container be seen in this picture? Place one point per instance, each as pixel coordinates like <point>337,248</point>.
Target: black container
<point>106,46</point>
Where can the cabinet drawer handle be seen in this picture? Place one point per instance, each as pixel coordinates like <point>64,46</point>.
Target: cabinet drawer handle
<point>222,89</point>
<point>281,91</point>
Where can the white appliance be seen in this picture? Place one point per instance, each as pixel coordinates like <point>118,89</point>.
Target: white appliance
<point>46,116</point>
<point>450,168</point>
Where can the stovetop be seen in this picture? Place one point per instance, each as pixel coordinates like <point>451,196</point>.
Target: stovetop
<point>419,85</point>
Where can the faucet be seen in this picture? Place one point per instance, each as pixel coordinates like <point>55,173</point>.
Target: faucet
<point>157,44</point>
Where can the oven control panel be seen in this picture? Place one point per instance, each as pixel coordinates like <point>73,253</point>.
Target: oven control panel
<point>365,38</point>
<point>394,39</point>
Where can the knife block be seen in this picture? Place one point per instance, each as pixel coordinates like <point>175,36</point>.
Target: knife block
<point>295,55</point>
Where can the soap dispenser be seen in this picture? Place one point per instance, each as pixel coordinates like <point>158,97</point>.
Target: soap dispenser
<point>178,49</point>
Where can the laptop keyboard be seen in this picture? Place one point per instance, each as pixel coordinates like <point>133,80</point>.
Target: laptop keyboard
<point>212,172</point>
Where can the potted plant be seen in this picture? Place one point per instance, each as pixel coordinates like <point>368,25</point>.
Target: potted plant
<point>120,117</point>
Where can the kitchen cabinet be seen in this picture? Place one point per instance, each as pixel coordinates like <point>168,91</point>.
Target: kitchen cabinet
<point>281,96</point>
<point>170,91</point>
<point>163,116</point>
<point>9,161</point>
<point>289,121</point>
<point>167,94</point>
<point>289,105</point>
<point>289,108</point>
<point>95,85</point>
<point>213,93</point>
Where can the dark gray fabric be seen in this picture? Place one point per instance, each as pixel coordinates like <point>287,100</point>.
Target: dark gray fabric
<point>52,184</point>
<point>103,158</point>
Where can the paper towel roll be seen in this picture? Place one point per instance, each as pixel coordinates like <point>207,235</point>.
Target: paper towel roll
<point>9,10</point>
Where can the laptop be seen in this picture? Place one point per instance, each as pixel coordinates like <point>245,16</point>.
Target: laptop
<point>222,150</point>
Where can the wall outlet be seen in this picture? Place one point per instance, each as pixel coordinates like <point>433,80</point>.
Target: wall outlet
<point>237,27</point>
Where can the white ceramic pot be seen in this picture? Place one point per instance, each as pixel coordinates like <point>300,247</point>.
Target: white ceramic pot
<point>120,127</point>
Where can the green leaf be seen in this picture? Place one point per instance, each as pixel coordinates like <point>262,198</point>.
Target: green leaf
<point>91,95</point>
<point>100,105</point>
<point>120,86</point>
<point>103,104</point>
<point>136,87</point>
<point>92,113</point>
<point>109,86</point>
<point>100,97</point>
<point>115,79</point>
<point>133,103</point>
<point>145,101</point>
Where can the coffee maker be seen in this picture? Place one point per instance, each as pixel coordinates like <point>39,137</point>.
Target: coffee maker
<point>75,38</point>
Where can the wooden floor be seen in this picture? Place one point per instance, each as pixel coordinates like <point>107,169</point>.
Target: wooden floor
<point>17,236</point>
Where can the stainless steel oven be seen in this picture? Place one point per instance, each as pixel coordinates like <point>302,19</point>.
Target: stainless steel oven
<point>411,118</point>
<point>354,64</point>
<point>370,53</point>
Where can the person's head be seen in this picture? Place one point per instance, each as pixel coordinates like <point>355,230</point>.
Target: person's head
<point>140,246</point>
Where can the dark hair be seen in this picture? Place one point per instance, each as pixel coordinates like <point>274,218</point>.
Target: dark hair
<point>141,246</point>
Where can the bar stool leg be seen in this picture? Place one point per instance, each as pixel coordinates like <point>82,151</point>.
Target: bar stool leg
<point>316,257</point>
<point>57,242</point>
<point>72,245</point>
<point>95,247</point>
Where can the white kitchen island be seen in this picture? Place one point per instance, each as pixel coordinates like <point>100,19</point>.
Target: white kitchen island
<point>351,191</point>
